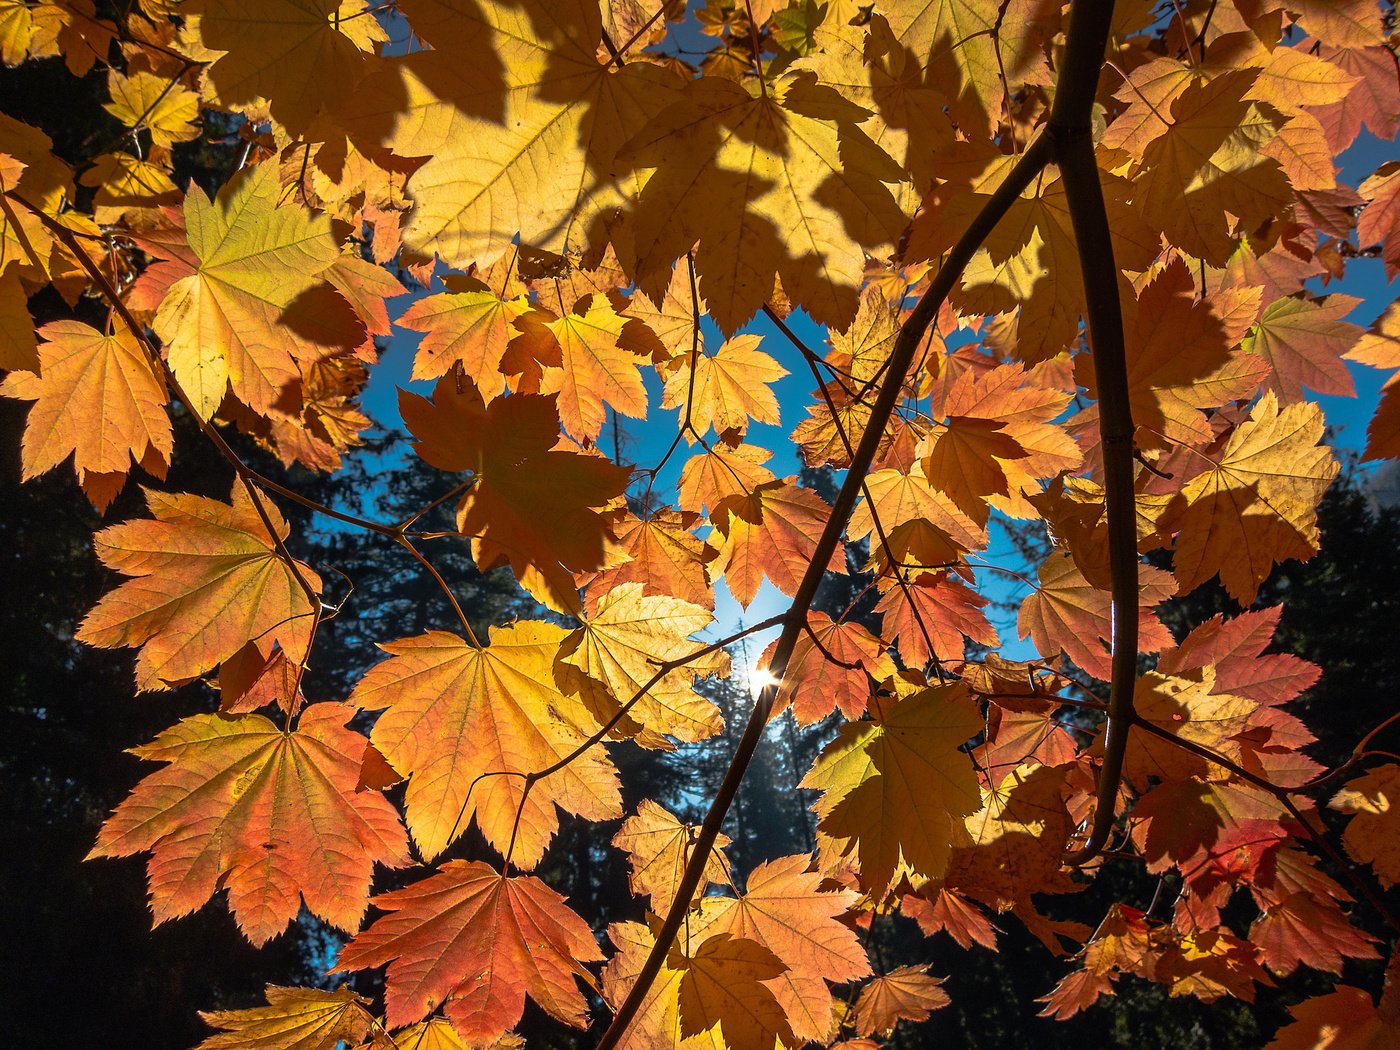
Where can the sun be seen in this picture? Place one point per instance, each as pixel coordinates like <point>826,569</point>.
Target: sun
<point>759,679</point>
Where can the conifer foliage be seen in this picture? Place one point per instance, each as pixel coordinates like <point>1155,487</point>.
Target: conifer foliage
<point>1068,256</point>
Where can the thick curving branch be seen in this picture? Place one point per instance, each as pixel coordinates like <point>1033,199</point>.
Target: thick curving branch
<point>1070,131</point>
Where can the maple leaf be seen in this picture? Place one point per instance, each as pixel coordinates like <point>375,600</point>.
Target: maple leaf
<point>1121,944</point>
<point>785,910</point>
<point>728,388</point>
<point>1210,164</point>
<point>302,56</point>
<point>1210,964</point>
<point>275,817</point>
<point>455,712</point>
<point>465,325</point>
<point>1380,220</point>
<point>722,471</point>
<point>1370,834</point>
<point>932,615</point>
<point>665,557</point>
<point>658,1021</point>
<point>437,1033</point>
<point>293,1019</point>
<point>533,506</point>
<point>1189,708</point>
<point>624,644</point>
<point>1304,340</point>
<point>208,579</point>
<point>1013,268</point>
<point>144,100</point>
<point>1346,1018</point>
<point>905,994</point>
<point>998,441</point>
<point>1066,612</point>
<point>658,847</point>
<point>930,530</point>
<point>518,119</point>
<point>1256,506</point>
<point>831,665</point>
<point>256,304</point>
<point>476,943</point>
<point>771,531</point>
<point>722,984</point>
<point>896,789</point>
<point>599,368</point>
<point>1380,348</point>
<point>98,398</point>
<point>1179,357</point>
<point>1235,648</point>
<point>1311,930</point>
<point>780,185</point>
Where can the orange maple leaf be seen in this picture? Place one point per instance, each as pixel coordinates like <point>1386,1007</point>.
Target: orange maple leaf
<point>771,531</point>
<point>905,994</point>
<point>96,397</point>
<point>476,943</point>
<point>468,325</point>
<point>208,579</point>
<point>275,817</point>
<point>533,506</point>
<point>784,909</point>
<point>831,666</point>
<point>467,724</point>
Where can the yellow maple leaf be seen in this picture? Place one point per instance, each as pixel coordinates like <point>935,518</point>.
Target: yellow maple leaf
<point>256,304</point>
<point>165,108</point>
<point>896,789</point>
<point>1257,504</point>
<point>721,471</point>
<point>771,531</point>
<point>1371,834</point>
<point>658,1020</point>
<point>727,389</point>
<point>599,369</point>
<point>659,846</point>
<point>784,909</point>
<point>519,120</point>
<point>623,642</point>
<point>293,1018</point>
<point>453,712</point>
<point>723,984</point>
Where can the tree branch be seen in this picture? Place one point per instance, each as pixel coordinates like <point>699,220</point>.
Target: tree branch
<point>1069,129</point>
<point>1037,155</point>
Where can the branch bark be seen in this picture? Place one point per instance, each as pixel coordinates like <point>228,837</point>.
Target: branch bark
<point>1071,132</point>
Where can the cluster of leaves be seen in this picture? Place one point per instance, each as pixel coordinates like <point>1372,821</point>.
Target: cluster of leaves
<point>580,197</point>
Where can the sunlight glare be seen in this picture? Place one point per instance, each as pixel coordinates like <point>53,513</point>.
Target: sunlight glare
<point>759,677</point>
